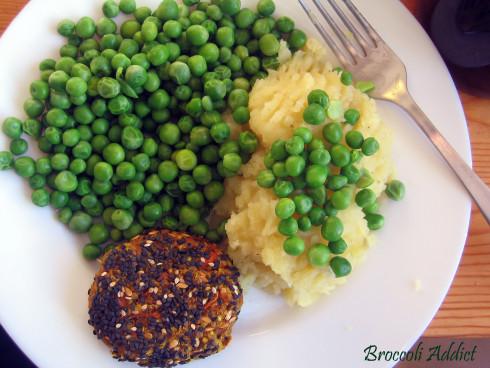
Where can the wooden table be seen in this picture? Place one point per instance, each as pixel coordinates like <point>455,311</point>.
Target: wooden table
<point>466,309</point>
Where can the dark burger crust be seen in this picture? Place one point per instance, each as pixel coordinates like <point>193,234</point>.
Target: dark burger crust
<point>164,298</point>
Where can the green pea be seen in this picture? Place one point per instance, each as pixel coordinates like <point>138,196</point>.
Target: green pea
<point>316,175</point>
<point>18,146</point>
<point>318,255</point>
<point>245,18</point>
<point>230,7</point>
<point>319,157</point>
<point>294,246</point>
<point>59,199</point>
<point>251,65</point>
<point>314,114</point>
<point>341,199</point>
<point>122,219</point>
<point>346,78</point>
<point>80,222</point>
<point>304,223</point>
<point>78,166</point>
<point>365,197</point>
<point>370,146</point>
<point>202,175</point>
<point>110,9</point>
<point>197,35</point>
<point>304,133</point>
<point>340,155</point>
<point>303,204</point>
<point>64,215</point>
<point>269,44</point>
<point>232,162</point>
<point>319,97</point>
<point>288,227</point>
<point>295,165</point>
<point>297,39</point>
<point>332,229</point>
<point>114,153</point>
<point>85,28</point>
<point>337,247</point>
<point>332,132</point>
<point>33,108</point>
<point>340,266</point>
<point>98,234</point>
<point>395,190</point>
<point>354,139</point>
<point>40,197</point>
<point>285,208</point>
<point>285,25</point>
<point>215,89</point>
<point>25,167</point>
<point>241,115</point>
<point>6,160</point>
<point>189,216</point>
<point>294,145</point>
<point>266,7</point>
<point>12,128</point>
<point>186,159</point>
<point>351,116</point>
<point>372,208</point>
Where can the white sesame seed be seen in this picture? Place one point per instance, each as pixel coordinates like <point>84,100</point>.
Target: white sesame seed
<point>119,294</point>
<point>190,294</point>
<point>203,260</point>
<point>144,307</point>
<point>197,343</point>
<point>103,274</point>
<point>211,264</point>
<point>176,280</point>
<point>112,284</point>
<point>123,313</point>
<point>133,328</point>
<point>228,315</point>
<point>193,326</point>
<point>159,263</point>
<point>204,301</point>
<point>142,284</point>
<point>118,325</point>
<point>214,290</point>
<point>165,296</point>
<point>148,243</point>
<point>151,261</point>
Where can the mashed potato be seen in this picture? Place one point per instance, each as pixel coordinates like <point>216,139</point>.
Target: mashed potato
<point>276,106</point>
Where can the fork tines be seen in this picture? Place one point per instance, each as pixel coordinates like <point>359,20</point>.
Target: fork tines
<point>351,46</point>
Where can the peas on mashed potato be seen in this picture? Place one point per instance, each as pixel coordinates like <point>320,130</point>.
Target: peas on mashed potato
<point>277,104</point>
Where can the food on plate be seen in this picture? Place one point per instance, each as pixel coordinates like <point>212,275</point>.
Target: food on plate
<point>130,117</point>
<point>164,298</point>
<point>303,212</point>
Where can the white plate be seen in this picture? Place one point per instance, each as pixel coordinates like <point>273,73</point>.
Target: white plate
<point>44,279</point>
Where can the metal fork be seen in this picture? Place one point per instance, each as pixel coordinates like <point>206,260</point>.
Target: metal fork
<point>368,57</point>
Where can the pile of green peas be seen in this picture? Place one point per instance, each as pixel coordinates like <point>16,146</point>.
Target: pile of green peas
<point>315,178</point>
<point>130,116</point>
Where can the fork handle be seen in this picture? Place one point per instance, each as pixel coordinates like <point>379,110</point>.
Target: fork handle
<point>472,182</point>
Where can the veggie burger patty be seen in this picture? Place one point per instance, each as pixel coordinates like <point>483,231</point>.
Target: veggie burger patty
<point>164,298</point>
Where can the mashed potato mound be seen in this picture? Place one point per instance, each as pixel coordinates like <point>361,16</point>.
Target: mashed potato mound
<point>276,106</point>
